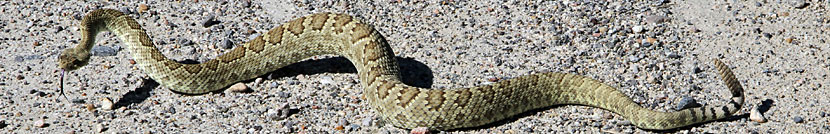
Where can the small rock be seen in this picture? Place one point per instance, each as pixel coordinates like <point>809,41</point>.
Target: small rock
<point>78,101</point>
<point>654,19</point>
<point>90,107</point>
<point>142,8</point>
<point>273,85</point>
<point>367,121</point>
<point>697,70</point>
<point>798,70</point>
<point>637,29</point>
<point>125,10</point>
<point>239,87</point>
<point>106,104</point>
<point>493,79</point>
<point>185,42</point>
<point>246,3</point>
<point>284,94</point>
<point>674,55</point>
<point>686,102</point>
<point>3,124</point>
<point>798,119</point>
<point>799,4</point>
<point>326,80</point>
<point>40,123</point>
<point>756,116</point>
<point>353,127</point>
<point>208,21</point>
<point>227,43</point>
<point>100,128</point>
<point>99,50</point>
<point>633,58</point>
<point>281,112</point>
<point>767,35</point>
<point>288,124</point>
<point>651,40</point>
<point>258,81</point>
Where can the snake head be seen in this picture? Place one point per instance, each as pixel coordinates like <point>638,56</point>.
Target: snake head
<point>71,59</point>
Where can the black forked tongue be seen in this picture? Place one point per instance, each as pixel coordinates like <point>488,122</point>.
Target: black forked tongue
<point>61,86</point>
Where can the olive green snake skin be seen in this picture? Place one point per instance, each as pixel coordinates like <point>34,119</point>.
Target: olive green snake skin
<point>396,103</point>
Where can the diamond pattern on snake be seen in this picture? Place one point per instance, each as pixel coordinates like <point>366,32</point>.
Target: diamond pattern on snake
<point>396,103</point>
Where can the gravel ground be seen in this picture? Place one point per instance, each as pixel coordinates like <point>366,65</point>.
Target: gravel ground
<point>657,52</point>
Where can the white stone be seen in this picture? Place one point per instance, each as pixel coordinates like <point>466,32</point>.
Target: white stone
<point>238,87</point>
<point>106,104</point>
<point>756,116</point>
<point>637,29</point>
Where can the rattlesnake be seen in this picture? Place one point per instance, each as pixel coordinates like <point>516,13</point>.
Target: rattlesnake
<point>396,103</point>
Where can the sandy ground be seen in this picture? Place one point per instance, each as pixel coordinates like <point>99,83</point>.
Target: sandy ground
<point>777,49</point>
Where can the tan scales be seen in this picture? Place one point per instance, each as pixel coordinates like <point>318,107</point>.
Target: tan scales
<point>396,103</point>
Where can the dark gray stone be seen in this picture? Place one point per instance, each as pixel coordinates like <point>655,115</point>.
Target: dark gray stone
<point>105,50</point>
<point>686,102</point>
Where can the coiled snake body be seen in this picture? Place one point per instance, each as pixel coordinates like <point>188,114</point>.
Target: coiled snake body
<point>396,103</point>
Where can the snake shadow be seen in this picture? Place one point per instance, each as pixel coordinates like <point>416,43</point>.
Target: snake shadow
<point>413,73</point>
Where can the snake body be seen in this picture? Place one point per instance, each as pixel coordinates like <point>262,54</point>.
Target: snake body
<point>396,103</point>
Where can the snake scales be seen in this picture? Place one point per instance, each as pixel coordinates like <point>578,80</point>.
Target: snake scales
<point>396,103</point>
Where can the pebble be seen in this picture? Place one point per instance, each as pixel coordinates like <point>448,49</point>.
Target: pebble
<point>142,8</point>
<point>239,87</point>
<point>185,42</point>
<point>655,19</point>
<point>353,127</point>
<point>89,107</point>
<point>366,121</point>
<point>288,124</point>
<point>637,29</point>
<point>40,123</point>
<point>274,85</point>
<point>279,113</point>
<point>258,81</point>
<point>651,40</point>
<point>799,4</point>
<point>106,104</point>
<point>756,116</point>
<point>798,119</point>
<point>3,124</point>
<point>100,128</point>
<point>227,43</point>
<point>697,70</point>
<point>208,21</point>
<point>125,10</point>
<point>326,80</point>
<point>674,55</point>
<point>246,3</point>
<point>686,102</point>
<point>284,94</point>
<point>99,50</point>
